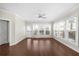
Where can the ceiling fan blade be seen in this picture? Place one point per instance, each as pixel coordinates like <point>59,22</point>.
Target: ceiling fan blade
<point>44,17</point>
<point>41,15</point>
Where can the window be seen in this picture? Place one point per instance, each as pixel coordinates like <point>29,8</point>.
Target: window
<point>28,30</point>
<point>71,28</point>
<point>59,29</point>
<point>41,29</point>
<point>67,30</point>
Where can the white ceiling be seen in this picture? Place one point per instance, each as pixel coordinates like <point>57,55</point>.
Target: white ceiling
<point>30,11</point>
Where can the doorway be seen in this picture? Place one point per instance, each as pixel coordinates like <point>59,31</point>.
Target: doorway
<point>4,32</point>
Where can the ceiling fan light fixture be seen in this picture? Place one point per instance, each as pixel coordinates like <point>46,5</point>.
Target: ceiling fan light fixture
<point>42,15</point>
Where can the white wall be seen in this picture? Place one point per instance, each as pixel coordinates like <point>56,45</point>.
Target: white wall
<point>11,18</point>
<point>19,30</point>
<point>16,27</point>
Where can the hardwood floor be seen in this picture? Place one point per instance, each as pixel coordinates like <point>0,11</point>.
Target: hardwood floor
<point>37,47</point>
<point>4,49</point>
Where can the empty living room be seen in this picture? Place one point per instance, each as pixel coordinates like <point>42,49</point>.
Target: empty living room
<point>39,29</point>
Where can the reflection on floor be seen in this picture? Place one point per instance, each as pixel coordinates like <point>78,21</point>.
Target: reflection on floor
<point>38,47</point>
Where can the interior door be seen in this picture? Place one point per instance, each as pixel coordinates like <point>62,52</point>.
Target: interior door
<point>4,32</point>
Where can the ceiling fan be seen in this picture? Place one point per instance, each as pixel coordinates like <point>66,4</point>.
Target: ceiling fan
<point>42,15</point>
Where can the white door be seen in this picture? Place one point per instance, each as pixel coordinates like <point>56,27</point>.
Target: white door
<point>3,32</point>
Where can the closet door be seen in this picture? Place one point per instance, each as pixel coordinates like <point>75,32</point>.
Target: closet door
<point>3,32</point>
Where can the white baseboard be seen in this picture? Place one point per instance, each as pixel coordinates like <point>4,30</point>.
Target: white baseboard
<point>16,42</point>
